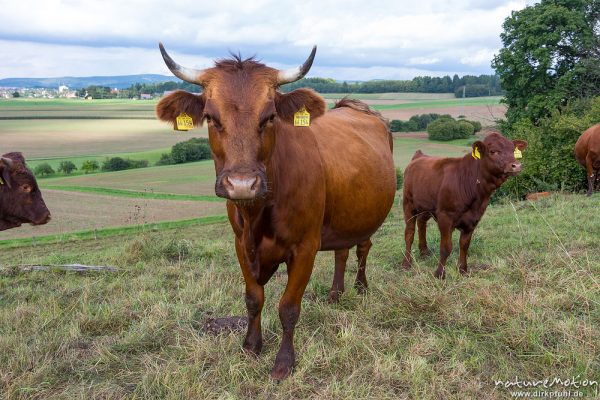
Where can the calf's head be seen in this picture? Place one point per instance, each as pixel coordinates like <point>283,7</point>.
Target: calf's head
<point>21,201</point>
<point>243,109</point>
<point>497,154</point>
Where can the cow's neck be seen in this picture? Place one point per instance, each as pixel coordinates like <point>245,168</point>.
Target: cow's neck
<point>478,183</point>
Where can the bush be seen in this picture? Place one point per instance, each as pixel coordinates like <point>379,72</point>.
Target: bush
<point>447,128</point>
<point>119,164</point>
<point>90,166</point>
<point>195,149</point>
<point>66,167</point>
<point>549,162</point>
<point>165,159</point>
<point>416,123</point>
<point>43,169</point>
<point>399,178</point>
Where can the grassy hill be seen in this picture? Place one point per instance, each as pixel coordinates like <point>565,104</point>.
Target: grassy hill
<point>140,332</point>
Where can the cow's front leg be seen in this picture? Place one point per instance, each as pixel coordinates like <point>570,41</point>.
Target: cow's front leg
<point>465,242</point>
<point>299,270</point>
<point>255,298</point>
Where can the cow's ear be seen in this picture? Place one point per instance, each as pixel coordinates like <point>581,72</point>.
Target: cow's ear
<point>178,102</point>
<point>287,104</point>
<point>520,144</point>
<point>6,167</point>
<point>479,149</point>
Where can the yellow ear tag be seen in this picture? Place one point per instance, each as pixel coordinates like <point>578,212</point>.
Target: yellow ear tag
<point>518,153</point>
<point>475,153</point>
<point>1,182</point>
<point>184,122</point>
<point>302,118</point>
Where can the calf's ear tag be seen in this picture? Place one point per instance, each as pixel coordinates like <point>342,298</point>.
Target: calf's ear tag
<point>302,117</point>
<point>518,153</point>
<point>184,122</point>
<point>1,182</point>
<point>475,153</point>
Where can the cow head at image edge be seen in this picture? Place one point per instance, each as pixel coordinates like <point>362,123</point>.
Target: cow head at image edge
<point>20,197</point>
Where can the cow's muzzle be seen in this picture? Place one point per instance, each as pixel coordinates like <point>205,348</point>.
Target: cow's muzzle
<point>241,187</point>
<point>43,220</point>
<point>514,169</point>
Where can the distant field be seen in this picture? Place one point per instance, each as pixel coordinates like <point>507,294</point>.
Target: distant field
<point>193,178</point>
<point>390,96</point>
<point>198,178</point>
<point>74,211</point>
<point>82,138</point>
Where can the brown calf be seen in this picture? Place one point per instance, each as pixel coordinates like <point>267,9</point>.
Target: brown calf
<point>587,152</point>
<point>291,190</point>
<point>21,201</point>
<point>455,192</point>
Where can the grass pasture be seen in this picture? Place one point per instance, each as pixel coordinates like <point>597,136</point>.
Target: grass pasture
<point>139,332</point>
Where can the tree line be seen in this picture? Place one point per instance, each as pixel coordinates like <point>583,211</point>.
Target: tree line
<point>467,86</point>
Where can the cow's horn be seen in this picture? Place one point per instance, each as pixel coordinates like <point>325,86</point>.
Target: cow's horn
<point>7,161</point>
<point>187,74</point>
<point>294,74</point>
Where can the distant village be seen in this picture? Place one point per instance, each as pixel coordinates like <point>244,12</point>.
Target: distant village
<point>65,92</point>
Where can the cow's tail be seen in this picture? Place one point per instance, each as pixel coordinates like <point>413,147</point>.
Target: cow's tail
<point>364,108</point>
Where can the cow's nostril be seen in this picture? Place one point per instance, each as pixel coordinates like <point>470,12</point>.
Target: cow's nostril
<point>256,183</point>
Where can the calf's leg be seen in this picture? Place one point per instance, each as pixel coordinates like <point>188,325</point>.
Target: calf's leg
<point>362,252</point>
<point>337,288</point>
<point>465,241</point>
<point>445,225</point>
<point>422,228</point>
<point>299,271</point>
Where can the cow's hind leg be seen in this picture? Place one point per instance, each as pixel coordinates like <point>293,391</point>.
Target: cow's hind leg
<point>337,288</point>
<point>410,220</point>
<point>362,252</point>
<point>299,271</point>
<point>422,228</point>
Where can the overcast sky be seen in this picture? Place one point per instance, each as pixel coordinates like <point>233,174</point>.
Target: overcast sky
<point>356,39</point>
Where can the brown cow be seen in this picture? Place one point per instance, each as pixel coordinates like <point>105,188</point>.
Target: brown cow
<point>456,192</point>
<point>291,190</point>
<point>20,197</point>
<point>587,152</point>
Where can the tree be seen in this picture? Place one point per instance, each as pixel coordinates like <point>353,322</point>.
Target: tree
<point>66,167</point>
<point>90,166</point>
<point>16,94</point>
<point>550,55</point>
<point>43,169</point>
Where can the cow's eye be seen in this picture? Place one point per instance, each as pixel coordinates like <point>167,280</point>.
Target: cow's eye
<point>26,188</point>
<point>493,152</point>
<point>268,120</point>
<point>214,121</point>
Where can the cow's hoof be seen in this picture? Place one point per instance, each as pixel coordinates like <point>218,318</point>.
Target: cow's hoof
<point>406,265</point>
<point>252,348</point>
<point>281,371</point>
<point>334,297</point>
<point>440,274</point>
<point>426,253</point>
<point>361,287</point>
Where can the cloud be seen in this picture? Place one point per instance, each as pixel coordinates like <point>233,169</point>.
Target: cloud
<point>84,37</point>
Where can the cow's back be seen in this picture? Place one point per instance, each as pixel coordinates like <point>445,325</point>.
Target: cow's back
<point>356,152</point>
